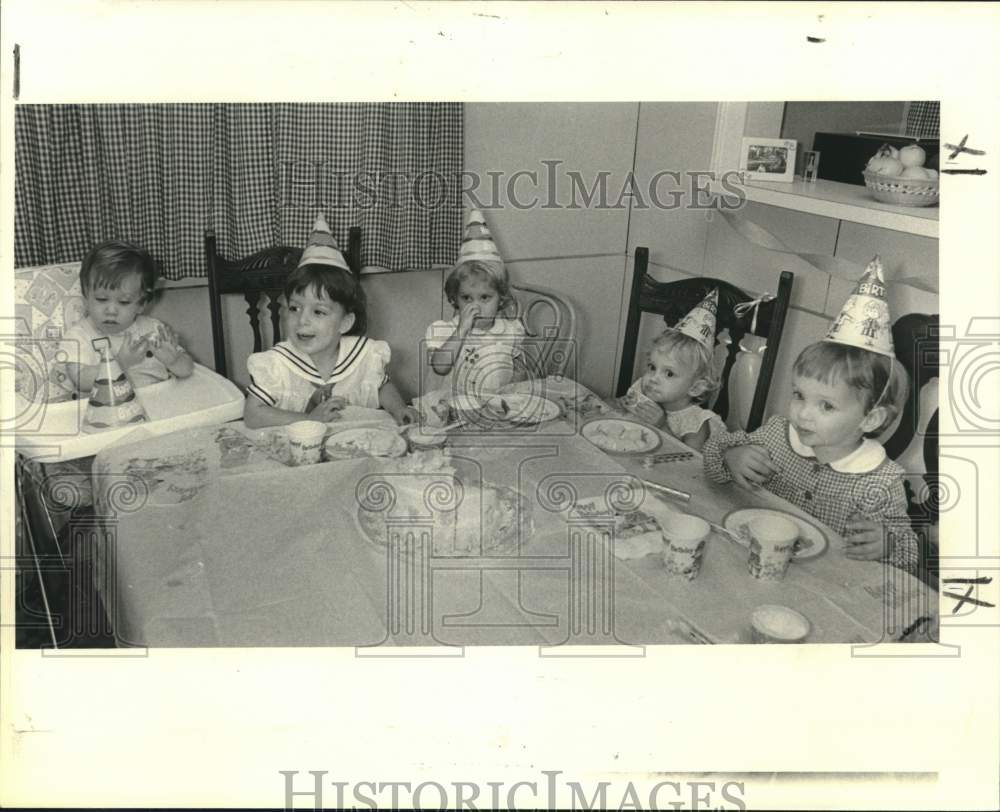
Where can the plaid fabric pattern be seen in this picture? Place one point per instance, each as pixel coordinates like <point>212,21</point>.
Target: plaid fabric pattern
<point>257,173</point>
<point>833,497</point>
<point>923,119</point>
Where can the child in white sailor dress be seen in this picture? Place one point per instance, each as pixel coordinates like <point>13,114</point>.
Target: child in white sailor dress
<point>327,362</point>
<point>286,378</point>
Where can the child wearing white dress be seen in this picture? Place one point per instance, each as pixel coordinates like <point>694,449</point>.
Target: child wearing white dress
<point>327,361</point>
<point>479,350</point>
<point>680,376</point>
<point>118,279</point>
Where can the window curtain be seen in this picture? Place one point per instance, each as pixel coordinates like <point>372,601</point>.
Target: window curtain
<point>923,119</point>
<point>159,175</point>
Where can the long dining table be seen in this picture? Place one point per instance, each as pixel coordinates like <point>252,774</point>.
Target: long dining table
<point>211,539</point>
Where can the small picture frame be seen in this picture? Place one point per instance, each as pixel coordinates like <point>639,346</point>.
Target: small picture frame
<point>770,159</point>
<point>810,165</point>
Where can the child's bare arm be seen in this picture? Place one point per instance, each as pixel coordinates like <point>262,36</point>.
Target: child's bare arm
<point>390,400</point>
<point>258,415</point>
<point>443,358</point>
<point>168,351</point>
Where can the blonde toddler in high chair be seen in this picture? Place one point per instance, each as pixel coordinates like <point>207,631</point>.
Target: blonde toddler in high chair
<point>679,378</point>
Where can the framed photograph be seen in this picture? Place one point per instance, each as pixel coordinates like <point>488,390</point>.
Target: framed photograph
<point>771,159</point>
<point>810,165</point>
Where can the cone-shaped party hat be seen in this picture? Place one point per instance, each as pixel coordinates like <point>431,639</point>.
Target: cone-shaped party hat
<point>864,319</point>
<point>322,248</point>
<point>699,324</point>
<point>112,400</point>
<point>477,242</point>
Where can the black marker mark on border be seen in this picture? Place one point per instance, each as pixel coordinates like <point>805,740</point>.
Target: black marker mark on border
<point>963,171</point>
<point>961,600</point>
<point>815,39</point>
<point>983,579</point>
<point>960,147</point>
<point>17,71</point>
<point>913,627</point>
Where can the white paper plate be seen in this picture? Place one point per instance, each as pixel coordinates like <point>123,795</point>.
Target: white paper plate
<point>620,436</point>
<point>812,541</point>
<point>364,442</point>
<point>523,408</point>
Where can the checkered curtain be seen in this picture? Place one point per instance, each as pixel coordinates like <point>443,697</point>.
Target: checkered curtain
<point>923,119</point>
<point>257,173</point>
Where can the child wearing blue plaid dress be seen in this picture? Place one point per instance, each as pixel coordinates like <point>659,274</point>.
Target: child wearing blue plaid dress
<point>823,457</point>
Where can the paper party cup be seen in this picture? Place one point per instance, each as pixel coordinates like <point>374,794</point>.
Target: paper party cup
<point>772,544</point>
<point>305,441</point>
<point>683,544</point>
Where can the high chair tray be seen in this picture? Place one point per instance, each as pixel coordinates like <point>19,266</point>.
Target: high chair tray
<point>50,432</point>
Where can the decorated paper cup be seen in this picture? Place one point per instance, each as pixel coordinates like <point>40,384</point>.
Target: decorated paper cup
<point>772,544</point>
<point>778,624</point>
<point>683,544</point>
<point>305,441</point>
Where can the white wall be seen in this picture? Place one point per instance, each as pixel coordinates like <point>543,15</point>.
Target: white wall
<point>576,251</point>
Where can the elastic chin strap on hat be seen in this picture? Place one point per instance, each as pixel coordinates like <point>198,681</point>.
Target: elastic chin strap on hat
<point>885,389</point>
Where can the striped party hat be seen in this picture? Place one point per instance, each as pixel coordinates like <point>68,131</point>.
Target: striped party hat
<point>322,248</point>
<point>477,242</point>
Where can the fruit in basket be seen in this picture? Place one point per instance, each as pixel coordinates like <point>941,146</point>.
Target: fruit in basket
<point>885,165</point>
<point>915,173</point>
<point>912,155</point>
<point>931,173</point>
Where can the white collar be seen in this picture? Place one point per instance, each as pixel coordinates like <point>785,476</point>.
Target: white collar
<point>866,457</point>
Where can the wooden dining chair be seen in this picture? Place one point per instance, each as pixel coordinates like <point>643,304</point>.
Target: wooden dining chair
<point>673,301</point>
<point>550,322</point>
<point>259,275</point>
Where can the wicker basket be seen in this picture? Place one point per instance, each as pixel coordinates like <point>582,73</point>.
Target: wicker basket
<point>902,191</point>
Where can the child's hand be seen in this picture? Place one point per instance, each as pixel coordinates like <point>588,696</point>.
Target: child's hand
<point>166,352</point>
<point>327,410</point>
<point>750,465</point>
<point>467,318</point>
<point>133,351</point>
<point>648,411</point>
<point>864,540</point>
<point>324,393</point>
<point>407,416</point>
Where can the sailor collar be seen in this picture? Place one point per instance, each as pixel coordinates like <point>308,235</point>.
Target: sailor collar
<point>864,459</point>
<point>298,363</point>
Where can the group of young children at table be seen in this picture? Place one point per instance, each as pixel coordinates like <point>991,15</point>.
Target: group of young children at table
<point>846,389</point>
